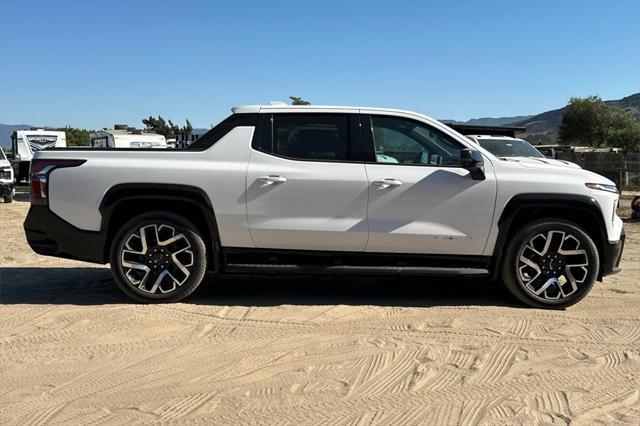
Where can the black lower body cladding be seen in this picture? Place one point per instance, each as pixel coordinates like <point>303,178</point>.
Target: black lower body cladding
<point>49,235</point>
<point>612,256</point>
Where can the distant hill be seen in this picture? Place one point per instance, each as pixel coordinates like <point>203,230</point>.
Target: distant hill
<point>543,128</point>
<point>489,121</point>
<point>7,129</point>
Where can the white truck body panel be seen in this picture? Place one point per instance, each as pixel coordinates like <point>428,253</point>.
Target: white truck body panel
<point>434,210</point>
<point>321,206</point>
<point>328,205</point>
<point>76,196</point>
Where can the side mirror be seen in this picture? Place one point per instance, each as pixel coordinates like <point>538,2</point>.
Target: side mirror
<point>473,161</point>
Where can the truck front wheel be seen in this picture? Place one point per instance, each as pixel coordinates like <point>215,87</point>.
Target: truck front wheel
<point>158,257</point>
<point>550,263</point>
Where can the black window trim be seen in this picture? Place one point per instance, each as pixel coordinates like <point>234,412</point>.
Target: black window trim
<point>209,139</point>
<point>370,150</point>
<point>263,137</point>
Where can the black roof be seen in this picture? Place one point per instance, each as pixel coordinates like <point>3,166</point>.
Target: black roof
<point>471,129</point>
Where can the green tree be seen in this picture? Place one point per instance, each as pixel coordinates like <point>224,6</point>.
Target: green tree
<point>165,127</point>
<point>590,121</point>
<point>188,128</point>
<point>623,131</point>
<point>295,100</point>
<point>75,136</point>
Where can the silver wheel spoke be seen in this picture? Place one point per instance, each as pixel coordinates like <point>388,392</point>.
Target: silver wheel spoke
<point>149,235</point>
<point>572,252</point>
<point>138,266</point>
<point>546,285</point>
<point>571,281</point>
<point>531,263</point>
<point>547,243</point>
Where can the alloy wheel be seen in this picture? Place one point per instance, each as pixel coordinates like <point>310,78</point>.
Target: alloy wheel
<point>552,265</point>
<point>157,258</point>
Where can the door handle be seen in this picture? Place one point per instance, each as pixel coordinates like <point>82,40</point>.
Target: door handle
<point>271,179</point>
<point>386,183</point>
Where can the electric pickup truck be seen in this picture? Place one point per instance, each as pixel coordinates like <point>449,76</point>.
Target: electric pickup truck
<point>315,189</point>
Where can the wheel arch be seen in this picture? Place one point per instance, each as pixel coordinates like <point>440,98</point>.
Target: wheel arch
<point>582,210</point>
<point>124,201</point>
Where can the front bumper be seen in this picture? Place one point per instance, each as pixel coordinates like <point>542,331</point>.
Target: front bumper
<point>6,188</point>
<point>612,256</point>
<point>50,235</point>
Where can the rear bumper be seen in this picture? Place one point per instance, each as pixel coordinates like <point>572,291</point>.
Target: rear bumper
<point>49,235</point>
<point>612,256</point>
<point>6,188</point>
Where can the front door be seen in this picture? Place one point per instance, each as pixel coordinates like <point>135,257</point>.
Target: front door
<point>302,190</point>
<point>420,199</point>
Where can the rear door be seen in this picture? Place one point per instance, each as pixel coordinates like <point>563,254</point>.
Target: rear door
<point>305,191</point>
<point>420,198</point>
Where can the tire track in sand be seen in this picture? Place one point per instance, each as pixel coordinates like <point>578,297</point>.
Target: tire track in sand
<point>497,365</point>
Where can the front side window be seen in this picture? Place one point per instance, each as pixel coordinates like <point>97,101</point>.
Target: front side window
<point>323,137</point>
<point>402,141</point>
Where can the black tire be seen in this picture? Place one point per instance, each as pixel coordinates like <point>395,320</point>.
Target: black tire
<point>8,198</point>
<point>556,267</point>
<point>169,263</point>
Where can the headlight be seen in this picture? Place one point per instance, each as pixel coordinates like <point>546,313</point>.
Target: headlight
<point>5,173</point>
<point>602,187</point>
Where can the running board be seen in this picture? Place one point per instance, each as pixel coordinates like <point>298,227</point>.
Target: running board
<point>356,270</point>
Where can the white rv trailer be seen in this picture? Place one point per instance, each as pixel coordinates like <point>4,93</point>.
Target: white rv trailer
<point>25,142</point>
<point>122,136</point>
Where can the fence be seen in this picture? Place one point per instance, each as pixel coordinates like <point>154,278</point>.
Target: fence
<point>621,167</point>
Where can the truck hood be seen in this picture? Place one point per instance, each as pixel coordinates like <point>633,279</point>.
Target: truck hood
<point>4,163</point>
<point>543,162</point>
<point>560,169</point>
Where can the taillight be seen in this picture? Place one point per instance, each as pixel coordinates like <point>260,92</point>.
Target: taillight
<point>40,170</point>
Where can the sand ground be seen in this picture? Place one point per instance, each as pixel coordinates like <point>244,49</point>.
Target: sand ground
<point>305,350</point>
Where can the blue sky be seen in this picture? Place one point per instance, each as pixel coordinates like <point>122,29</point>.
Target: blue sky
<point>92,64</point>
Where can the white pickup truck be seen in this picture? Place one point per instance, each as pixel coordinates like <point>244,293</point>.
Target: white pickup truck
<point>313,189</point>
<point>7,190</point>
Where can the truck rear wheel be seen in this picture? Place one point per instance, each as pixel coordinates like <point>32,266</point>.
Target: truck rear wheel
<point>550,263</point>
<point>158,257</point>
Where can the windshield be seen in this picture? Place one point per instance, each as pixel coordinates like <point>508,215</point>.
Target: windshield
<point>510,148</point>
<point>2,156</point>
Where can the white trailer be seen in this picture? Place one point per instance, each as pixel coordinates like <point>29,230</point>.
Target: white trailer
<point>122,136</point>
<point>25,142</point>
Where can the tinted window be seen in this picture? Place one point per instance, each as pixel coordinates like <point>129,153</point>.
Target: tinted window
<point>509,148</point>
<point>403,141</point>
<point>311,136</point>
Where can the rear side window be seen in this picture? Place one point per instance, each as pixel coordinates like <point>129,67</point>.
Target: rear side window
<point>323,137</point>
